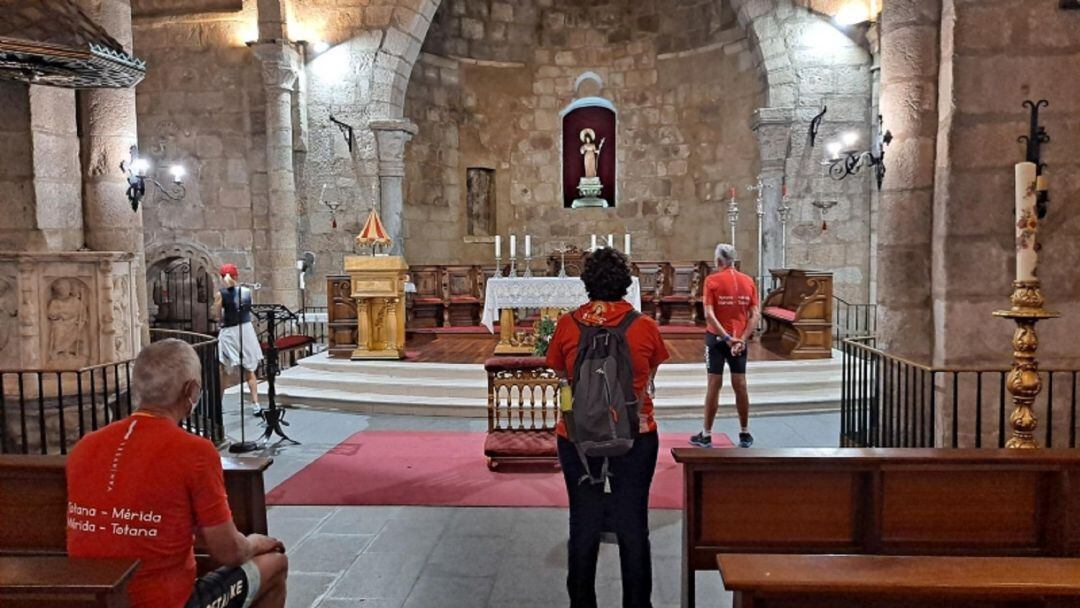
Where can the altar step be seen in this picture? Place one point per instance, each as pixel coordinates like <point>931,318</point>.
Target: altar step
<point>444,389</point>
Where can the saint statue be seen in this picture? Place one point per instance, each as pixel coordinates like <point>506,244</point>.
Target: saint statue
<point>591,151</point>
<point>67,317</point>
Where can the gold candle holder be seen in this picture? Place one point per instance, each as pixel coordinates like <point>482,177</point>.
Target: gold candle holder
<point>1024,383</point>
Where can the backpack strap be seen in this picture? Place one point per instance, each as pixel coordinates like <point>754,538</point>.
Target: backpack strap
<point>627,321</point>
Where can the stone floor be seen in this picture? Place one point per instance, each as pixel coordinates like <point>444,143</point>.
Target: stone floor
<point>378,557</point>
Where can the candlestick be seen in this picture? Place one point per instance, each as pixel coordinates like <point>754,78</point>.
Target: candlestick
<point>498,246</point>
<point>593,247</point>
<point>733,214</point>
<point>513,246</point>
<point>785,213</point>
<point>1027,223</point>
<point>498,266</point>
<point>626,244</point>
<point>611,241</point>
<point>528,267</point>
<point>528,246</point>
<point>562,260</point>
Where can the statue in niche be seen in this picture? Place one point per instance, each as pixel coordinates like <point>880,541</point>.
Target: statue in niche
<point>67,314</point>
<point>589,186</point>
<point>591,151</point>
<point>9,312</point>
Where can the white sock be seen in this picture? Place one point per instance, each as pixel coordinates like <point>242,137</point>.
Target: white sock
<point>745,429</point>
<point>706,433</point>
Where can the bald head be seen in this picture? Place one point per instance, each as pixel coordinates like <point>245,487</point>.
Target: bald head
<point>166,378</point>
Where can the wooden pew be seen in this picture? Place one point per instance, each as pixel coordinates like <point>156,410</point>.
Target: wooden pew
<point>61,582</point>
<point>682,290</point>
<point>523,398</point>
<point>33,501</point>
<point>461,295</point>
<point>877,502</point>
<point>877,581</point>
<point>798,314</point>
<point>426,305</point>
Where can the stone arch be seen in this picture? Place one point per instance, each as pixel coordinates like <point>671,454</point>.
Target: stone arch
<point>158,254</point>
<point>162,256</point>
<point>397,53</point>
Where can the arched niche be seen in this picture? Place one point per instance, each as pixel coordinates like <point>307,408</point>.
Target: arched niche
<point>589,143</point>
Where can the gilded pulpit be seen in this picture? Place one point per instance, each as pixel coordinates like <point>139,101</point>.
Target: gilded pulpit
<point>378,286</point>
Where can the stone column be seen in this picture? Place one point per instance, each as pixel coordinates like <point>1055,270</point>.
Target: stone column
<point>773,129</point>
<point>108,132</point>
<point>391,137</point>
<point>910,46</point>
<point>280,63</point>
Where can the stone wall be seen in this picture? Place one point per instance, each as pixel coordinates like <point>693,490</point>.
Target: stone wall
<point>996,54</point>
<point>486,97</point>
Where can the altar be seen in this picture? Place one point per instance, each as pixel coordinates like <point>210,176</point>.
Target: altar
<point>548,294</point>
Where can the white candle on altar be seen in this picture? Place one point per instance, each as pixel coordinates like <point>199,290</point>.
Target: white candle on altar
<point>498,246</point>
<point>611,241</point>
<point>626,243</point>
<point>1027,222</point>
<point>593,248</point>
<point>528,245</point>
<point>513,245</point>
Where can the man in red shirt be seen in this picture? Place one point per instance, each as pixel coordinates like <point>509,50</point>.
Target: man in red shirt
<point>142,487</point>
<point>731,313</point>
<point>607,276</point>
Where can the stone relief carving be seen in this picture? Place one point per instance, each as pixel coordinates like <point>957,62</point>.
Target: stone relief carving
<point>9,312</point>
<point>121,317</point>
<point>68,314</point>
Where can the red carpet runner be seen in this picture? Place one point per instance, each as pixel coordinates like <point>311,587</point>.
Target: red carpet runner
<point>445,469</point>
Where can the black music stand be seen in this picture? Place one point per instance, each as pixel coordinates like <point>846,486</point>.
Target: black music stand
<point>273,416</point>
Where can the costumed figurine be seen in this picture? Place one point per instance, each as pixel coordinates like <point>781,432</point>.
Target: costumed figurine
<point>232,307</point>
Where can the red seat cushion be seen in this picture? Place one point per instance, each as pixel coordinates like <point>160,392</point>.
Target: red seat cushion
<point>288,342</point>
<point>520,444</point>
<point>675,298</point>
<point>780,313</point>
<point>464,300</point>
<point>427,300</point>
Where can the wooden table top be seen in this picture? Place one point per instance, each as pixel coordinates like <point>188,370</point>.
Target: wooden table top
<point>74,575</point>
<point>900,575</point>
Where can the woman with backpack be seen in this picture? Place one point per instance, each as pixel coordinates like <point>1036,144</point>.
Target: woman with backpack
<point>609,353</point>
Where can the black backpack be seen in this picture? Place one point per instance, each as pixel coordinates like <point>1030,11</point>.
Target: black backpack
<point>605,407</point>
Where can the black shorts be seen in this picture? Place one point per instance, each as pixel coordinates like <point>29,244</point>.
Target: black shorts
<point>717,352</point>
<point>226,587</point>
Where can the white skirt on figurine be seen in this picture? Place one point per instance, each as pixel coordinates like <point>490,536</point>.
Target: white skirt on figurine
<point>229,347</point>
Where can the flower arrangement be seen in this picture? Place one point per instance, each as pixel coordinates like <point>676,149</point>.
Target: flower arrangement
<point>545,328</point>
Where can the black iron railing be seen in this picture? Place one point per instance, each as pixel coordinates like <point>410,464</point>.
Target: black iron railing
<point>889,401</point>
<point>852,320</point>
<point>45,411</point>
<point>311,322</point>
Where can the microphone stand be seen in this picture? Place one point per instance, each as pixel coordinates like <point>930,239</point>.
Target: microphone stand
<point>244,446</point>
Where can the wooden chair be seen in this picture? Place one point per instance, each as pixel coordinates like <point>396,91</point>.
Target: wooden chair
<point>425,307</point>
<point>462,302</point>
<point>651,278</point>
<point>798,315</point>
<point>341,325</point>
<point>682,292</point>
<point>523,398</point>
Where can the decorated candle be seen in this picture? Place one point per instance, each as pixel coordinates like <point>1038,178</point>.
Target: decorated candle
<point>1027,223</point>
<point>593,247</point>
<point>513,245</point>
<point>498,246</point>
<point>733,192</point>
<point>528,245</point>
<point>611,241</point>
<point>626,243</point>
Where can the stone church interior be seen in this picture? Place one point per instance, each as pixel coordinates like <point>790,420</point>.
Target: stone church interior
<point>360,251</point>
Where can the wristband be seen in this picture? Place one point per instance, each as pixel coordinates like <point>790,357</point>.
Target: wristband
<point>727,339</point>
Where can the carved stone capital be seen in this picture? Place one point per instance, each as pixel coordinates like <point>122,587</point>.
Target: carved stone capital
<point>773,129</point>
<point>279,63</point>
<point>391,137</point>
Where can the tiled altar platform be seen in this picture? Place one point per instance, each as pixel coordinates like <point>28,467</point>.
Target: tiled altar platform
<point>444,376</point>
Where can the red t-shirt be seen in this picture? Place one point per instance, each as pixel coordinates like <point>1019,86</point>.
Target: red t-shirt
<point>139,488</point>
<point>732,295</point>
<point>647,349</point>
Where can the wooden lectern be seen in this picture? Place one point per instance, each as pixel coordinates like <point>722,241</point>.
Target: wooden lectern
<point>378,286</point>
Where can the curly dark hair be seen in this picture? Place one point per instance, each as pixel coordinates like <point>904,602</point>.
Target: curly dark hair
<point>606,275</point>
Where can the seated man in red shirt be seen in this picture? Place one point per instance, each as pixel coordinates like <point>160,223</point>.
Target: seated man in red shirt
<point>142,487</point>
<point>731,313</point>
<point>607,277</point>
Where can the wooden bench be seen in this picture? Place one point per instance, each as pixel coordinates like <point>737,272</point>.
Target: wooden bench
<point>878,502</point>
<point>877,581</point>
<point>798,314</point>
<point>461,295</point>
<point>33,501</point>
<point>682,292</point>
<point>523,398</point>
<point>651,279</point>
<point>62,582</point>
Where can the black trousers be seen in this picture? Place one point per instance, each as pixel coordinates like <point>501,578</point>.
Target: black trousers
<point>625,511</point>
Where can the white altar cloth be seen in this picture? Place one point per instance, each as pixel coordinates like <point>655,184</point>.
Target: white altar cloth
<point>540,292</point>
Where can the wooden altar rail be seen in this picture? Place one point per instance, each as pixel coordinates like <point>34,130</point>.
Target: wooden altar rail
<point>1007,503</point>
<point>890,401</point>
<point>45,411</point>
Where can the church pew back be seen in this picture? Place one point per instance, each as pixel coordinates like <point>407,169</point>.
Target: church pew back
<point>914,502</point>
<point>33,500</point>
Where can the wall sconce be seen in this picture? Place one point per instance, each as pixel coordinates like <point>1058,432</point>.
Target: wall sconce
<point>845,159</point>
<point>137,171</point>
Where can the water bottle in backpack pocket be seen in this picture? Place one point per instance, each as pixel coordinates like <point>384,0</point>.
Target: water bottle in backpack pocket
<point>605,409</point>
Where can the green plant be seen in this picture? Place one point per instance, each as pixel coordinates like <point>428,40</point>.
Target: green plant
<point>545,327</point>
